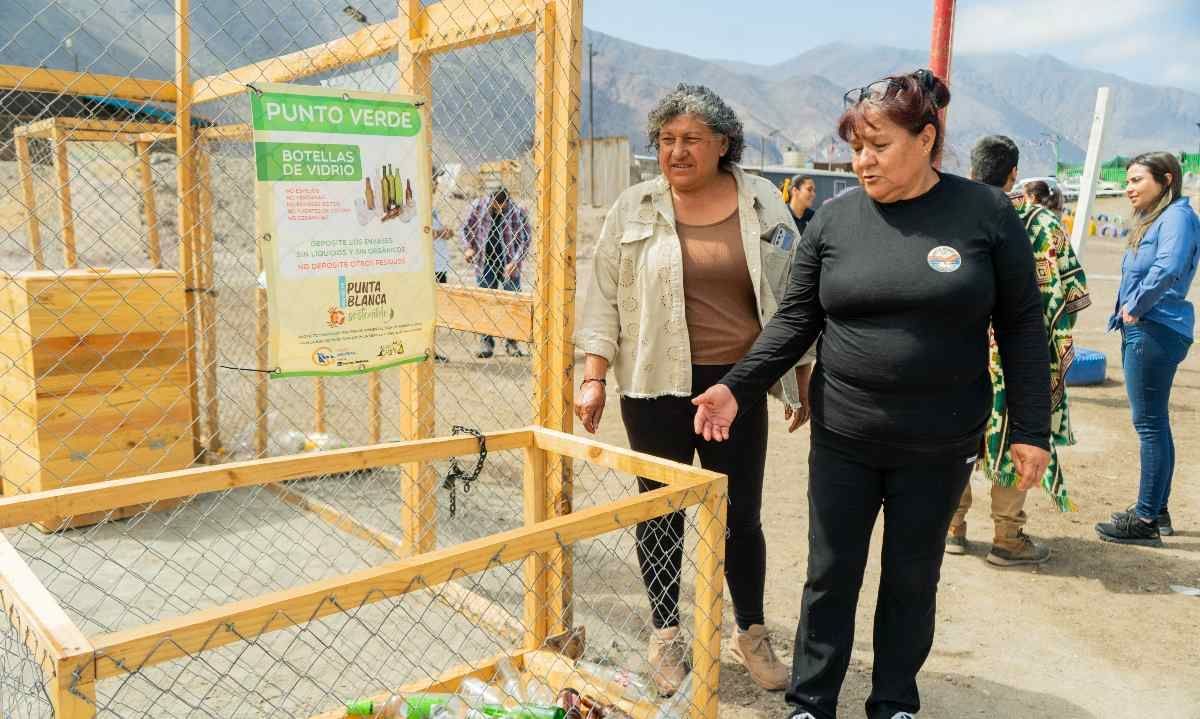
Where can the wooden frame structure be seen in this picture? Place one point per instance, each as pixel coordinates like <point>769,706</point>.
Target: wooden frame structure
<point>545,319</point>
<point>73,663</point>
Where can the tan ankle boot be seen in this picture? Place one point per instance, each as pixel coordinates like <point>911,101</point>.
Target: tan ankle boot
<point>668,659</point>
<point>752,649</point>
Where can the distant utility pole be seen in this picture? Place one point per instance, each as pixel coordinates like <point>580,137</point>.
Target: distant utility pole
<point>591,128</point>
<point>69,46</point>
<point>1055,138</point>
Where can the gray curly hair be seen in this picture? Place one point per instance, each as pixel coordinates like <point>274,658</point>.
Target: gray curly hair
<point>705,104</point>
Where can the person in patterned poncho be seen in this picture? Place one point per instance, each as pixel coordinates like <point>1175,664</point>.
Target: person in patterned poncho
<point>1064,293</point>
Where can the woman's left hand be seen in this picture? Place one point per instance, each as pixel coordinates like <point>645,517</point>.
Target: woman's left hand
<point>1031,463</point>
<point>800,415</point>
<point>1127,318</point>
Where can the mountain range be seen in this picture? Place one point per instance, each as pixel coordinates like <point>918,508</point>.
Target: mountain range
<point>484,97</point>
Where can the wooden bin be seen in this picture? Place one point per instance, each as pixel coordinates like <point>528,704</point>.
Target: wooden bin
<point>95,379</point>
<point>74,664</point>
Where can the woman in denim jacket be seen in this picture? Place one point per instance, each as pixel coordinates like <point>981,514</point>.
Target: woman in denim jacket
<point>1157,326</point>
<point>688,267</point>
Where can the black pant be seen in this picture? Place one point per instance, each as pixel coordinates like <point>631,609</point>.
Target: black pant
<point>844,499</point>
<point>663,427</point>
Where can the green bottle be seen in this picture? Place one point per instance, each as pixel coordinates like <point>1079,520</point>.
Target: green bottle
<point>533,711</point>
<point>420,706</point>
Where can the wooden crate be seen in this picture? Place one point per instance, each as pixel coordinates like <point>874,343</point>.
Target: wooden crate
<point>95,379</point>
<point>74,663</point>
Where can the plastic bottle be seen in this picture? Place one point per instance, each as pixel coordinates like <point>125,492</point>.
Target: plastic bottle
<point>680,702</point>
<point>423,705</point>
<point>393,708</point>
<point>634,687</point>
<point>539,692</point>
<point>510,681</point>
<point>478,693</point>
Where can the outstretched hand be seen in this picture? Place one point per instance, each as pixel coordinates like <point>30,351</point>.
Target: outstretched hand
<point>715,411</point>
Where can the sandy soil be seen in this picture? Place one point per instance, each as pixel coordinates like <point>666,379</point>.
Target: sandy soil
<point>1096,632</point>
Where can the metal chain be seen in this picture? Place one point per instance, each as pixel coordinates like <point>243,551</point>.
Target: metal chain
<point>456,473</point>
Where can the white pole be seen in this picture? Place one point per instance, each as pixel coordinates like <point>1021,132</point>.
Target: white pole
<point>1091,172</point>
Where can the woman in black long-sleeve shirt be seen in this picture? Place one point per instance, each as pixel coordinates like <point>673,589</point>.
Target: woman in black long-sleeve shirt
<point>900,281</point>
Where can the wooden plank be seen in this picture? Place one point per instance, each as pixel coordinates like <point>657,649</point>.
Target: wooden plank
<point>70,698</point>
<point>186,184</point>
<point>318,404</point>
<point>709,588</point>
<point>66,215</point>
<point>370,42</point>
<point>207,629</point>
<point>47,630</point>
<point>219,133</point>
<point>447,682</point>
<point>29,202</point>
<point>29,79</point>
<point>536,606</point>
<point>618,458</point>
<point>418,481</point>
<point>455,24</point>
<point>558,486</point>
<point>490,312</point>
<point>484,612</point>
<point>375,407</point>
<point>18,510</point>
<point>439,27</point>
<point>84,129</point>
<point>262,335</point>
<point>149,204</point>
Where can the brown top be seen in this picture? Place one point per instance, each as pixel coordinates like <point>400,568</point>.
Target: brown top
<point>722,315</point>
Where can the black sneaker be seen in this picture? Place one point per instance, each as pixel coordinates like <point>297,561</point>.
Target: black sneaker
<point>484,354</point>
<point>1128,529</point>
<point>1165,528</point>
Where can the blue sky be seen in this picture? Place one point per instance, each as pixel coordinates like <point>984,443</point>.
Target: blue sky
<point>1153,41</point>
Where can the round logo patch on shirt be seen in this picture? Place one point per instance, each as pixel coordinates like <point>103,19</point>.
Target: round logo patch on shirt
<point>944,259</point>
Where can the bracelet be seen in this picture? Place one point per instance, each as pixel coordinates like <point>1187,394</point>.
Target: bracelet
<point>601,380</point>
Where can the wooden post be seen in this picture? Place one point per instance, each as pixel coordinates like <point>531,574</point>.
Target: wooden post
<point>536,607</point>
<point>261,339</point>
<point>375,406</point>
<point>25,167</point>
<point>710,588</point>
<point>419,483</point>
<point>557,75</point>
<point>318,404</point>
<point>208,304</point>
<point>148,202</point>
<point>69,699</point>
<point>186,177</point>
<point>63,170</point>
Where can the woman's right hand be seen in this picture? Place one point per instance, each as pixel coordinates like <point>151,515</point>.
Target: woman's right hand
<point>589,405</point>
<point>715,412</point>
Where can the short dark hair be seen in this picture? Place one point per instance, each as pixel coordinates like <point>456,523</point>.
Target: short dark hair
<point>1040,192</point>
<point>799,180</point>
<point>993,159</point>
<point>500,196</point>
<point>911,101</point>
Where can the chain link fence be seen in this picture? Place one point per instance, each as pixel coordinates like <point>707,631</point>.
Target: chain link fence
<point>132,336</point>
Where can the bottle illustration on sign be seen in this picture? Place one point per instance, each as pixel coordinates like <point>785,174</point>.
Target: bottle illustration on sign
<point>369,193</point>
<point>396,198</point>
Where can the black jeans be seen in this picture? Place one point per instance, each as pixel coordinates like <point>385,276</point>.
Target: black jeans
<point>844,498</point>
<point>663,427</point>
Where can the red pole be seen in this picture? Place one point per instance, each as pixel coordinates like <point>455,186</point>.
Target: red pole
<point>941,46</point>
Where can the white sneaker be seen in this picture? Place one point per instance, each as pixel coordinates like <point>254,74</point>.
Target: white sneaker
<point>903,715</point>
<point>805,715</point>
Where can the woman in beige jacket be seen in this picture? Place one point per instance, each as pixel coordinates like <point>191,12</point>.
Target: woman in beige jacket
<point>688,268</point>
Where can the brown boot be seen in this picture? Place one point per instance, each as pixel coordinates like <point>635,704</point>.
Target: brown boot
<point>668,659</point>
<point>752,649</point>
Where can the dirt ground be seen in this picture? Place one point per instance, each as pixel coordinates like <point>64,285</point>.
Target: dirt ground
<point>1096,632</point>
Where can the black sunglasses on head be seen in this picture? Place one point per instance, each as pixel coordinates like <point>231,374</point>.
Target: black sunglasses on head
<point>888,87</point>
